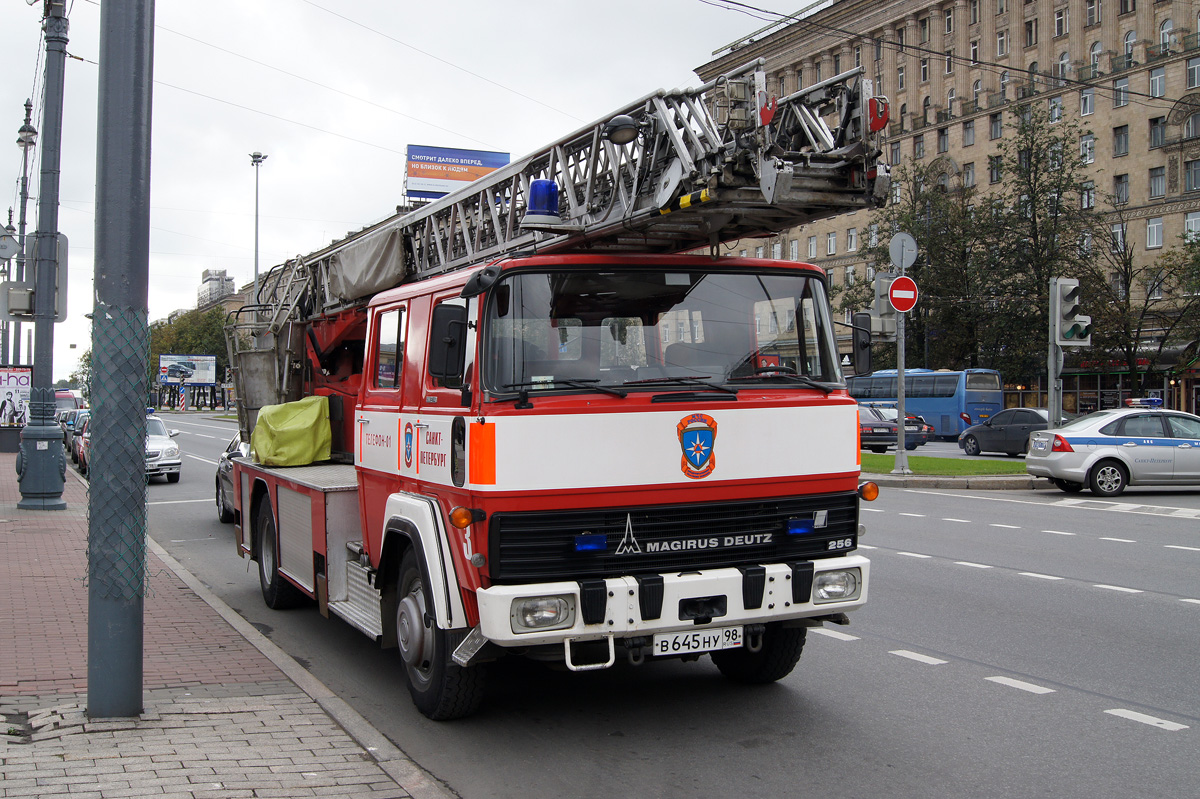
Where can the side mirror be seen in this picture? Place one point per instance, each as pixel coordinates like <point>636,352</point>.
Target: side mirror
<point>173,433</point>
<point>861,343</point>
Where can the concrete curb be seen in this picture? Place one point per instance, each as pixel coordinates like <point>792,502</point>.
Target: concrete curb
<point>999,482</point>
<point>419,783</point>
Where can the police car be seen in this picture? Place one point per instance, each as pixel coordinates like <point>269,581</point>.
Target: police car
<point>1108,451</point>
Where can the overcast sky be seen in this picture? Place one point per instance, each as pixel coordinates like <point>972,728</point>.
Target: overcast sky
<point>332,92</point>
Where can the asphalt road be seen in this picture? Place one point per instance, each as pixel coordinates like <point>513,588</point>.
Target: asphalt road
<point>1015,643</point>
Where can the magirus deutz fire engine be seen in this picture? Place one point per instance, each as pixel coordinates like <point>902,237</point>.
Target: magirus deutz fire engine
<point>553,434</point>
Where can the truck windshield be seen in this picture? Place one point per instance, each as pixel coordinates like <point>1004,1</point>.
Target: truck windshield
<point>582,330</point>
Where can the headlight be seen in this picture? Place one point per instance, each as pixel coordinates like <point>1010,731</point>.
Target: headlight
<point>836,586</point>
<point>542,613</point>
<point>171,451</point>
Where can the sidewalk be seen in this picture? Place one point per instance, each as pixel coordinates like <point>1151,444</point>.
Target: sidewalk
<point>227,713</point>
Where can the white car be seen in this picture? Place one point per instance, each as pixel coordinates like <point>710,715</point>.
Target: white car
<point>1107,451</point>
<point>162,454</point>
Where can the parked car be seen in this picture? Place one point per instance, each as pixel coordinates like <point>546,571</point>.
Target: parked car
<point>1008,431</point>
<point>80,444</point>
<point>236,449</point>
<point>1109,450</point>
<point>65,419</point>
<point>73,434</point>
<point>877,428</point>
<point>162,454</point>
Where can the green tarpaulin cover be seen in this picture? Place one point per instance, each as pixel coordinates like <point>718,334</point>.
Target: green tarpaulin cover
<point>292,434</point>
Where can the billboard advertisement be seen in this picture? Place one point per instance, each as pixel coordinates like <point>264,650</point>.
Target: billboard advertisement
<point>434,172</point>
<point>192,370</point>
<point>14,395</point>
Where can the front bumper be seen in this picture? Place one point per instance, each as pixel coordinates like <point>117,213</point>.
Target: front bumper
<point>624,602</point>
<point>163,467</point>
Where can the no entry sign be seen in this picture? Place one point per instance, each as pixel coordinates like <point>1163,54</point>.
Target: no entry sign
<point>903,293</point>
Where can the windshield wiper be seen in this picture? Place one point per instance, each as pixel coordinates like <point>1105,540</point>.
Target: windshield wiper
<point>702,380</point>
<point>788,374</point>
<point>571,382</point>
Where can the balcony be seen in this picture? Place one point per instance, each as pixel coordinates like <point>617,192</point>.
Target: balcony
<point>1156,51</point>
<point>969,107</point>
<point>896,129</point>
<point>944,116</point>
<point>996,99</point>
<point>1025,90</point>
<point>1089,72</point>
<point>1120,63</point>
<point>1191,41</point>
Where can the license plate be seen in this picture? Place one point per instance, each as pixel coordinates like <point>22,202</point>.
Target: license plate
<point>706,640</point>
<point>1039,445</point>
<point>881,430</point>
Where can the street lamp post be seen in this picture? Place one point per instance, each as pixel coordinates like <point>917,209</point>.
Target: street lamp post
<point>26,140</point>
<point>256,160</point>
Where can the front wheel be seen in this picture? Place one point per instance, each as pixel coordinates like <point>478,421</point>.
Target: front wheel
<point>1108,479</point>
<point>780,652</point>
<point>173,477</point>
<point>278,593</point>
<point>971,445</point>
<point>440,688</point>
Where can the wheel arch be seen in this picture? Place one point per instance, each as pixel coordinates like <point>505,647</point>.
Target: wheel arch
<point>259,493</point>
<point>415,522</point>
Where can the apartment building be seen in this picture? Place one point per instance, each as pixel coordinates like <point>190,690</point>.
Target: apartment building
<point>1127,70</point>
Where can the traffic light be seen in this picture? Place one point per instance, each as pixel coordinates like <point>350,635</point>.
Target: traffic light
<point>1071,328</point>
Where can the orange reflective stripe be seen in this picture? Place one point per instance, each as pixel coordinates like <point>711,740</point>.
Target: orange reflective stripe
<point>483,454</point>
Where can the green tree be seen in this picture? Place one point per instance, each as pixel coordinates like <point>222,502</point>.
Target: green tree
<point>82,376</point>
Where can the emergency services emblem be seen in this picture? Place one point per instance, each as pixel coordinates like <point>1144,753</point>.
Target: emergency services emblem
<point>408,444</point>
<point>697,437</point>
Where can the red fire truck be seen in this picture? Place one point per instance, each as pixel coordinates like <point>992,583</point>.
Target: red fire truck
<point>553,434</point>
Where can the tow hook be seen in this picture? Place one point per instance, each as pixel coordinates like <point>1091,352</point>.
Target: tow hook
<point>635,650</point>
<point>754,637</point>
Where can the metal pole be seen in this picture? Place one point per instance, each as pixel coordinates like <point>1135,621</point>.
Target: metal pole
<point>256,159</point>
<point>42,465</point>
<point>901,465</point>
<point>26,138</point>
<point>1053,367</point>
<point>121,351</point>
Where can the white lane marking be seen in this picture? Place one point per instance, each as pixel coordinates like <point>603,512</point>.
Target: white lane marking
<point>203,460</point>
<point>866,546</point>
<point>972,565</point>
<point>1039,576</point>
<point>1056,532</point>
<point>915,515</point>
<point>1119,588</point>
<point>841,636</point>
<point>1193,601</point>
<point>178,501</point>
<point>1176,546</point>
<point>1074,504</point>
<point>1024,686</point>
<point>874,510</point>
<point>1133,715</point>
<point>1006,526</point>
<point>913,555</point>
<point>904,653</point>
<point>960,521</point>
<point>1119,540</point>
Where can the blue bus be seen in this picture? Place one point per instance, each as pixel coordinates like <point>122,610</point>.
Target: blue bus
<point>950,401</point>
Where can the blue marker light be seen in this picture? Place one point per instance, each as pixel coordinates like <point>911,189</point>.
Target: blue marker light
<point>542,205</point>
<point>800,526</point>
<point>591,542</point>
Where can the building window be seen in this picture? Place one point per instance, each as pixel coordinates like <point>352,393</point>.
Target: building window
<point>1128,43</point>
<point>943,140</point>
<point>995,126</point>
<point>919,146</point>
<point>1154,285</point>
<point>968,136</point>
<point>758,252</point>
<point>1094,58</point>
<point>852,240</point>
<point>1091,13</point>
<point>994,168</point>
<point>899,79</point>
<point>1121,140</point>
<point>924,69</point>
<point>1087,195</point>
<point>1154,233</point>
<point>1087,102</point>
<point>900,38</point>
<point>1116,281</point>
<point>949,21</point>
<point>1191,225</point>
<point>949,62</point>
<point>1120,189</point>
<point>923,29</point>
<point>895,155</point>
<point>1060,22</point>
<point>858,56</point>
<point>976,91</point>
<point>837,64</point>
<point>1001,6</point>
<point>1031,30</point>
<point>1001,43</point>
<point>1191,175</point>
<point>1056,108</point>
<point>1087,148</point>
<point>1158,132</point>
<point>1126,6</point>
<point>968,174</point>
<point>974,51</point>
<point>1191,128</point>
<point>812,246</point>
<point>1120,92</point>
<point>1118,237</point>
<point>879,49</point>
<point>830,243</point>
<point>794,249</point>
<point>777,250</point>
<point>1158,82</point>
<point>1064,68</point>
<point>1158,182</point>
<point>1164,34</point>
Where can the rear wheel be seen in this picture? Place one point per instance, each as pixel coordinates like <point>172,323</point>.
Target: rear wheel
<point>224,510</point>
<point>441,689</point>
<point>1067,485</point>
<point>1108,478</point>
<point>971,445</point>
<point>277,592</point>
<point>879,450</point>
<point>780,652</point>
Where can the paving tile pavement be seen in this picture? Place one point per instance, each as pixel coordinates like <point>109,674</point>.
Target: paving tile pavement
<point>226,713</point>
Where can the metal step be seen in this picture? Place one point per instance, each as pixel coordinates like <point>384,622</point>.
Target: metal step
<point>361,607</point>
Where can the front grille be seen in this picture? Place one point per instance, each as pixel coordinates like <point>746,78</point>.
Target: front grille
<point>540,547</point>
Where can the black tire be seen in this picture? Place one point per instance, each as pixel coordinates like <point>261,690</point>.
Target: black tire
<point>878,450</point>
<point>1108,478</point>
<point>971,446</point>
<point>224,511</point>
<point>440,688</point>
<point>277,592</point>
<point>1067,485</point>
<point>173,477</point>
<point>910,447</point>
<point>781,648</point>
